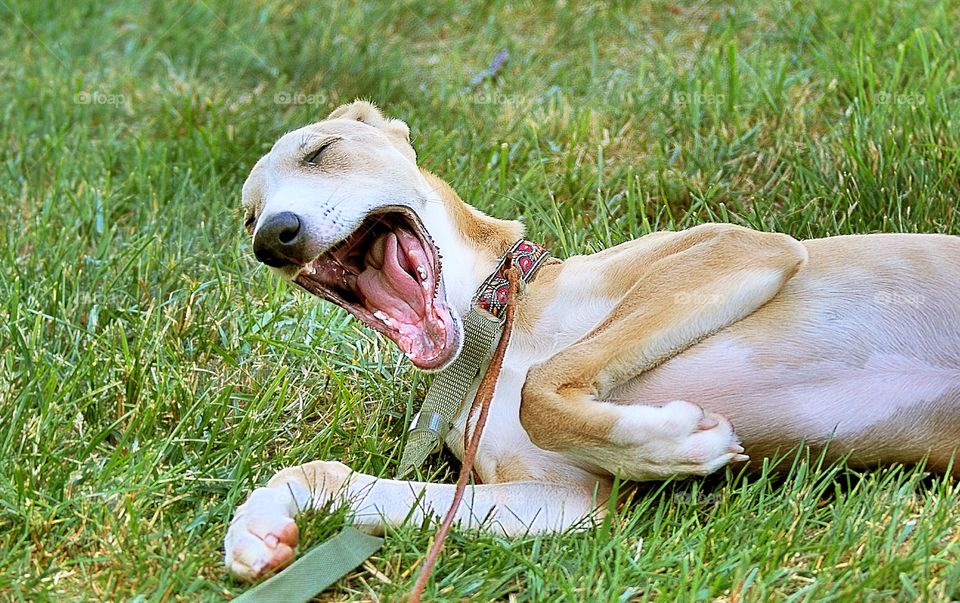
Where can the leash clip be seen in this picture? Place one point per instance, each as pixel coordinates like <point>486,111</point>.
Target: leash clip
<point>431,422</point>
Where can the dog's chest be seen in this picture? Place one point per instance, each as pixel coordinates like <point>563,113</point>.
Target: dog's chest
<point>506,453</point>
<point>504,441</point>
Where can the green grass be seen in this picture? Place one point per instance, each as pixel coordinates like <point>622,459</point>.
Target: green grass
<point>151,374</point>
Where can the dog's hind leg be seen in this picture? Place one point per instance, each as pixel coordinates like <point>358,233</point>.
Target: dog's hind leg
<point>685,287</point>
<point>263,535</point>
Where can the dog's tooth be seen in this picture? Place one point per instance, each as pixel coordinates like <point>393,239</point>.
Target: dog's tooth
<point>422,272</point>
<point>382,317</point>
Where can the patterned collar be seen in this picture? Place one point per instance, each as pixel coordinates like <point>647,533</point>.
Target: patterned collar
<point>528,257</point>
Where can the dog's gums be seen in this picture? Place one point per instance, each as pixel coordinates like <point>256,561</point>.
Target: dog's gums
<point>387,274</point>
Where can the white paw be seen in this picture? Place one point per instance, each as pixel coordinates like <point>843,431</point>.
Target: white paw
<point>262,535</point>
<point>677,439</point>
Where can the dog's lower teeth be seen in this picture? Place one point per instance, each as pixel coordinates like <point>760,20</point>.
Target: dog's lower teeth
<point>422,272</point>
<point>379,315</point>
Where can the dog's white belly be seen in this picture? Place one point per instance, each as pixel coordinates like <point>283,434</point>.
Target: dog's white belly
<point>787,403</point>
<point>857,356</point>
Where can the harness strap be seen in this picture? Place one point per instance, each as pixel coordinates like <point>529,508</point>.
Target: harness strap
<point>448,391</point>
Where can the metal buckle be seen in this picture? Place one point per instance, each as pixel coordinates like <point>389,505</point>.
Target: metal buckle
<point>432,422</point>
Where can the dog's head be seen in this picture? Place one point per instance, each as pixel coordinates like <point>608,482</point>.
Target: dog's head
<point>339,208</point>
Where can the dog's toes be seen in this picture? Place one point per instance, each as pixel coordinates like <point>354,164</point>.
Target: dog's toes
<point>708,449</point>
<point>707,423</point>
<point>254,550</point>
<point>274,532</point>
<point>260,541</point>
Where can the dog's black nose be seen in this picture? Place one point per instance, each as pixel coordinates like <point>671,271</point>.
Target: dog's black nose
<point>280,241</point>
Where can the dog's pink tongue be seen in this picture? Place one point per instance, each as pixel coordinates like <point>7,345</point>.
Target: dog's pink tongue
<point>390,288</point>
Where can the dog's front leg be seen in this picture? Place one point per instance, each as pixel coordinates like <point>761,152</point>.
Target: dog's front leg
<point>683,288</point>
<point>263,535</point>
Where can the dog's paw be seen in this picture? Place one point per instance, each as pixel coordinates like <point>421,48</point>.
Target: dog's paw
<point>677,439</point>
<point>697,442</point>
<point>262,536</point>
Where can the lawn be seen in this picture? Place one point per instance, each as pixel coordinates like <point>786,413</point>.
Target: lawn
<point>152,374</point>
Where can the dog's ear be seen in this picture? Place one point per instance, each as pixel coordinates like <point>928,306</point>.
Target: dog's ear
<point>364,111</point>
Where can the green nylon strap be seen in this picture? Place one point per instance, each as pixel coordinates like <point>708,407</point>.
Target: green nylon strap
<point>449,389</point>
<point>317,569</point>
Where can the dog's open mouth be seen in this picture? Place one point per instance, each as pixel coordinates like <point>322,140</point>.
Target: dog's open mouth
<point>387,274</point>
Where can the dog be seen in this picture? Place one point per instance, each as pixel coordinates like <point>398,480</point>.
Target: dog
<point>634,361</point>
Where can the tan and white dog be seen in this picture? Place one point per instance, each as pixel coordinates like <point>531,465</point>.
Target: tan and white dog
<point>631,361</point>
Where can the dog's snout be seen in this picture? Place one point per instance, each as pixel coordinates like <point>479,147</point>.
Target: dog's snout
<point>280,241</point>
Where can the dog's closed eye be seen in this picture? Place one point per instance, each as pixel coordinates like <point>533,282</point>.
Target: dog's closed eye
<point>249,221</point>
<point>313,157</point>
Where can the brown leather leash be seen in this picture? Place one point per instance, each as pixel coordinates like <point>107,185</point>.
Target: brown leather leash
<point>481,405</point>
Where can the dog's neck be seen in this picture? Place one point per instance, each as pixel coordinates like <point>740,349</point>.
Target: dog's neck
<point>469,241</point>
